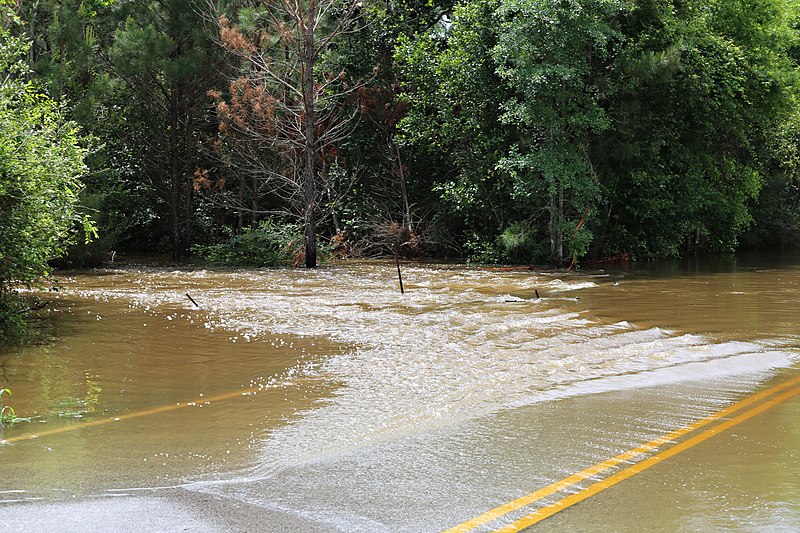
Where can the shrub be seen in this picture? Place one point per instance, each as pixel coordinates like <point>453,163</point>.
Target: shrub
<point>268,244</point>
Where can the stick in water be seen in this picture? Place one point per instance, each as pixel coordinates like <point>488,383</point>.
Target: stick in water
<point>397,257</point>
<point>537,293</point>
<point>399,275</point>
<point>192,299</point>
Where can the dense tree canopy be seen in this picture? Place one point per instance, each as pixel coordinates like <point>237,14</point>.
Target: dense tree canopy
<point>521,131</point>
<point>615,127</point>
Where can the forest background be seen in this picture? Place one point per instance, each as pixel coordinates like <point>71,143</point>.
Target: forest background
<point>261,132</point>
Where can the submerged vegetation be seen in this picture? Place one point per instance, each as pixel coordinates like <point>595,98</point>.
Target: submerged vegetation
<point>519,131</point>
<point>7,415</point>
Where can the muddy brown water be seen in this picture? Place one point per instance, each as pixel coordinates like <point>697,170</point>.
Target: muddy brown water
<point>326,397</point>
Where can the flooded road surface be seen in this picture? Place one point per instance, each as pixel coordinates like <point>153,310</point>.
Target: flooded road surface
<point>326,401</point>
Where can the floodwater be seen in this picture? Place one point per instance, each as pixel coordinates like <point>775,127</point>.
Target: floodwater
<point>328,401</point>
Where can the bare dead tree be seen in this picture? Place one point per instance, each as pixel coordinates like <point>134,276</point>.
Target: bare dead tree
<point>284,114</point>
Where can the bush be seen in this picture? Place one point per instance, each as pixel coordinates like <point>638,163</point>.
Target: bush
<point>12,320</point>
<point>268,244</point>
<point>41,166</point>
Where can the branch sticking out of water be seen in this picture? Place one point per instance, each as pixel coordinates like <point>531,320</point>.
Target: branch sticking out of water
<point>399,275</point>
<point>192,299</point>
<point>397,257</point>
<point>35,307</point>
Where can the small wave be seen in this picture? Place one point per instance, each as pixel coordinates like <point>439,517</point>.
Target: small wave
<point>712,368</point>
<point>572,285</point>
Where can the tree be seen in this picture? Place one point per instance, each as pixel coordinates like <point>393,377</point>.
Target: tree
<point>514,91</point>
<point>391,188</point>
<point>702,87</point>
<point>599,125</point>
<point>168,62</point>
<point>452,128</point>
<point>67,39</point>
<point>68,55</point>
<point>777,213</point>
<point>553,55</point>
<point>285,98</point>
<point>41,163</point>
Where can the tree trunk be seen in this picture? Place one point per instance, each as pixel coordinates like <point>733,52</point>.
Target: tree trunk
<point>551,228</point>
<point>310,139</point>
<point>175,174</point>
<point>174,156</point>
<point>554,227</point>
<point>188,186</point>
<point>560,228</point>
<point>403,192</point>
<point>240,215</point>
<point>254,203</point>
<point>188,231</point>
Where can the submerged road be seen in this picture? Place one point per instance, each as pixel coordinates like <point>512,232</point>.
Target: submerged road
<point>631,456</point>
<point>174,508</point>
<point>322,401</point>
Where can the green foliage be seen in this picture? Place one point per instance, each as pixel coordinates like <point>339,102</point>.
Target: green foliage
<point>512,94</point>
<point>701,87</point>
<point>777,214</point>
<point>13,327</point>
<point>41,164</point>
<point>70,49</point>
<point>453,130</point>
<point>517,243</point>
<point>653,121</point>
<point>165,59</point>
<point>7,415</point>
<point>391,183</point>
<point>109,227</point>
<point>268,244</point>
<point>513,131</point>
<point>553,56</point>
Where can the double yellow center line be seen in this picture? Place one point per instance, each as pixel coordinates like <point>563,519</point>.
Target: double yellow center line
<point>793,386</point>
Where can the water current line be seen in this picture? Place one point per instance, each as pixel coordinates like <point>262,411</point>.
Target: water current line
<point>543,492</point>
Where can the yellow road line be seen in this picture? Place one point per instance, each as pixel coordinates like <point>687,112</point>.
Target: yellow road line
<point>543,492</point>
<point>136,414</point>
<point>622,475</point>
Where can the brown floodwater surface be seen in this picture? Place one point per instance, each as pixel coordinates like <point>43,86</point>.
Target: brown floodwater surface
<point>746,298</point>
<point>326,397</point>
<point>114,359</point>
